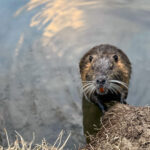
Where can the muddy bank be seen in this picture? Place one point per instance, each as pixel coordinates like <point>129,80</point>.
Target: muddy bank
<point>123,127</point>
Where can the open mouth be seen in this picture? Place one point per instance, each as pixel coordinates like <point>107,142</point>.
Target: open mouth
<point>101,90</point>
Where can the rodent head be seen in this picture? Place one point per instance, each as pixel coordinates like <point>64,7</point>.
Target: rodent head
<point>105,69</point>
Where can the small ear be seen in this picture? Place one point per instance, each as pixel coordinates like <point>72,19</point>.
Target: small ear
<point>81,64</point>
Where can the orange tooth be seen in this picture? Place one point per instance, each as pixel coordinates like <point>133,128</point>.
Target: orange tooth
<point>101,90</point>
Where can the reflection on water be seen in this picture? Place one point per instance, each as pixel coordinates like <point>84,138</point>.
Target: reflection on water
<point>19,44</point>
<point>56,15</point>
<point>40,50</point>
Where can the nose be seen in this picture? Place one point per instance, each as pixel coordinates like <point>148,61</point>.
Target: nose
<point>101,81</point>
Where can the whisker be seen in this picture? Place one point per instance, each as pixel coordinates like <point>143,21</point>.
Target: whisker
<point>113,89</point>
<point>86,96</point>
<point>93,91</point>
<point>87,93</point>
<point>90,94</point>
<point>85,88</point>
<point>119,82</point>
<point>88,90</point>
<point>87,85</point>
<point>117,88</point>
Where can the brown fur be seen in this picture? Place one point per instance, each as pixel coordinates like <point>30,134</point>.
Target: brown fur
<point>121,70</point>
<point>123,66</point>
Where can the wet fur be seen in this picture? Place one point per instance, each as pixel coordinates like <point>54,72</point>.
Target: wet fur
<point>121,71</point>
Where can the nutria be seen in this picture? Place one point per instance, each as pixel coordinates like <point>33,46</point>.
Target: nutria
<point>105,72</point>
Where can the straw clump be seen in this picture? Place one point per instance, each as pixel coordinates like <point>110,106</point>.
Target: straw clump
<point>21,144</point>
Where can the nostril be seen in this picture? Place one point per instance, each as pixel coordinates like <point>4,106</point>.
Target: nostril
<point>102,82</point>
<point>98,81</point>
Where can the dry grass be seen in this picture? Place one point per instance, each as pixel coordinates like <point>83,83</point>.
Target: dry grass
<point>21,144</point>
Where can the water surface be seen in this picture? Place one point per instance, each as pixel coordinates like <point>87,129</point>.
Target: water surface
<point>41,45</point>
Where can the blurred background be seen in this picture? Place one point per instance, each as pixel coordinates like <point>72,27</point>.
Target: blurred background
<point>41,43</point>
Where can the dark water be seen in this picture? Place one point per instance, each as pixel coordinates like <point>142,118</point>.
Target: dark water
<point>41,43</point>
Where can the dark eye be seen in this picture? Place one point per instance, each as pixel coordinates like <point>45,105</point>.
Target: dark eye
<point>90,58</point>
<point>115,58</point>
